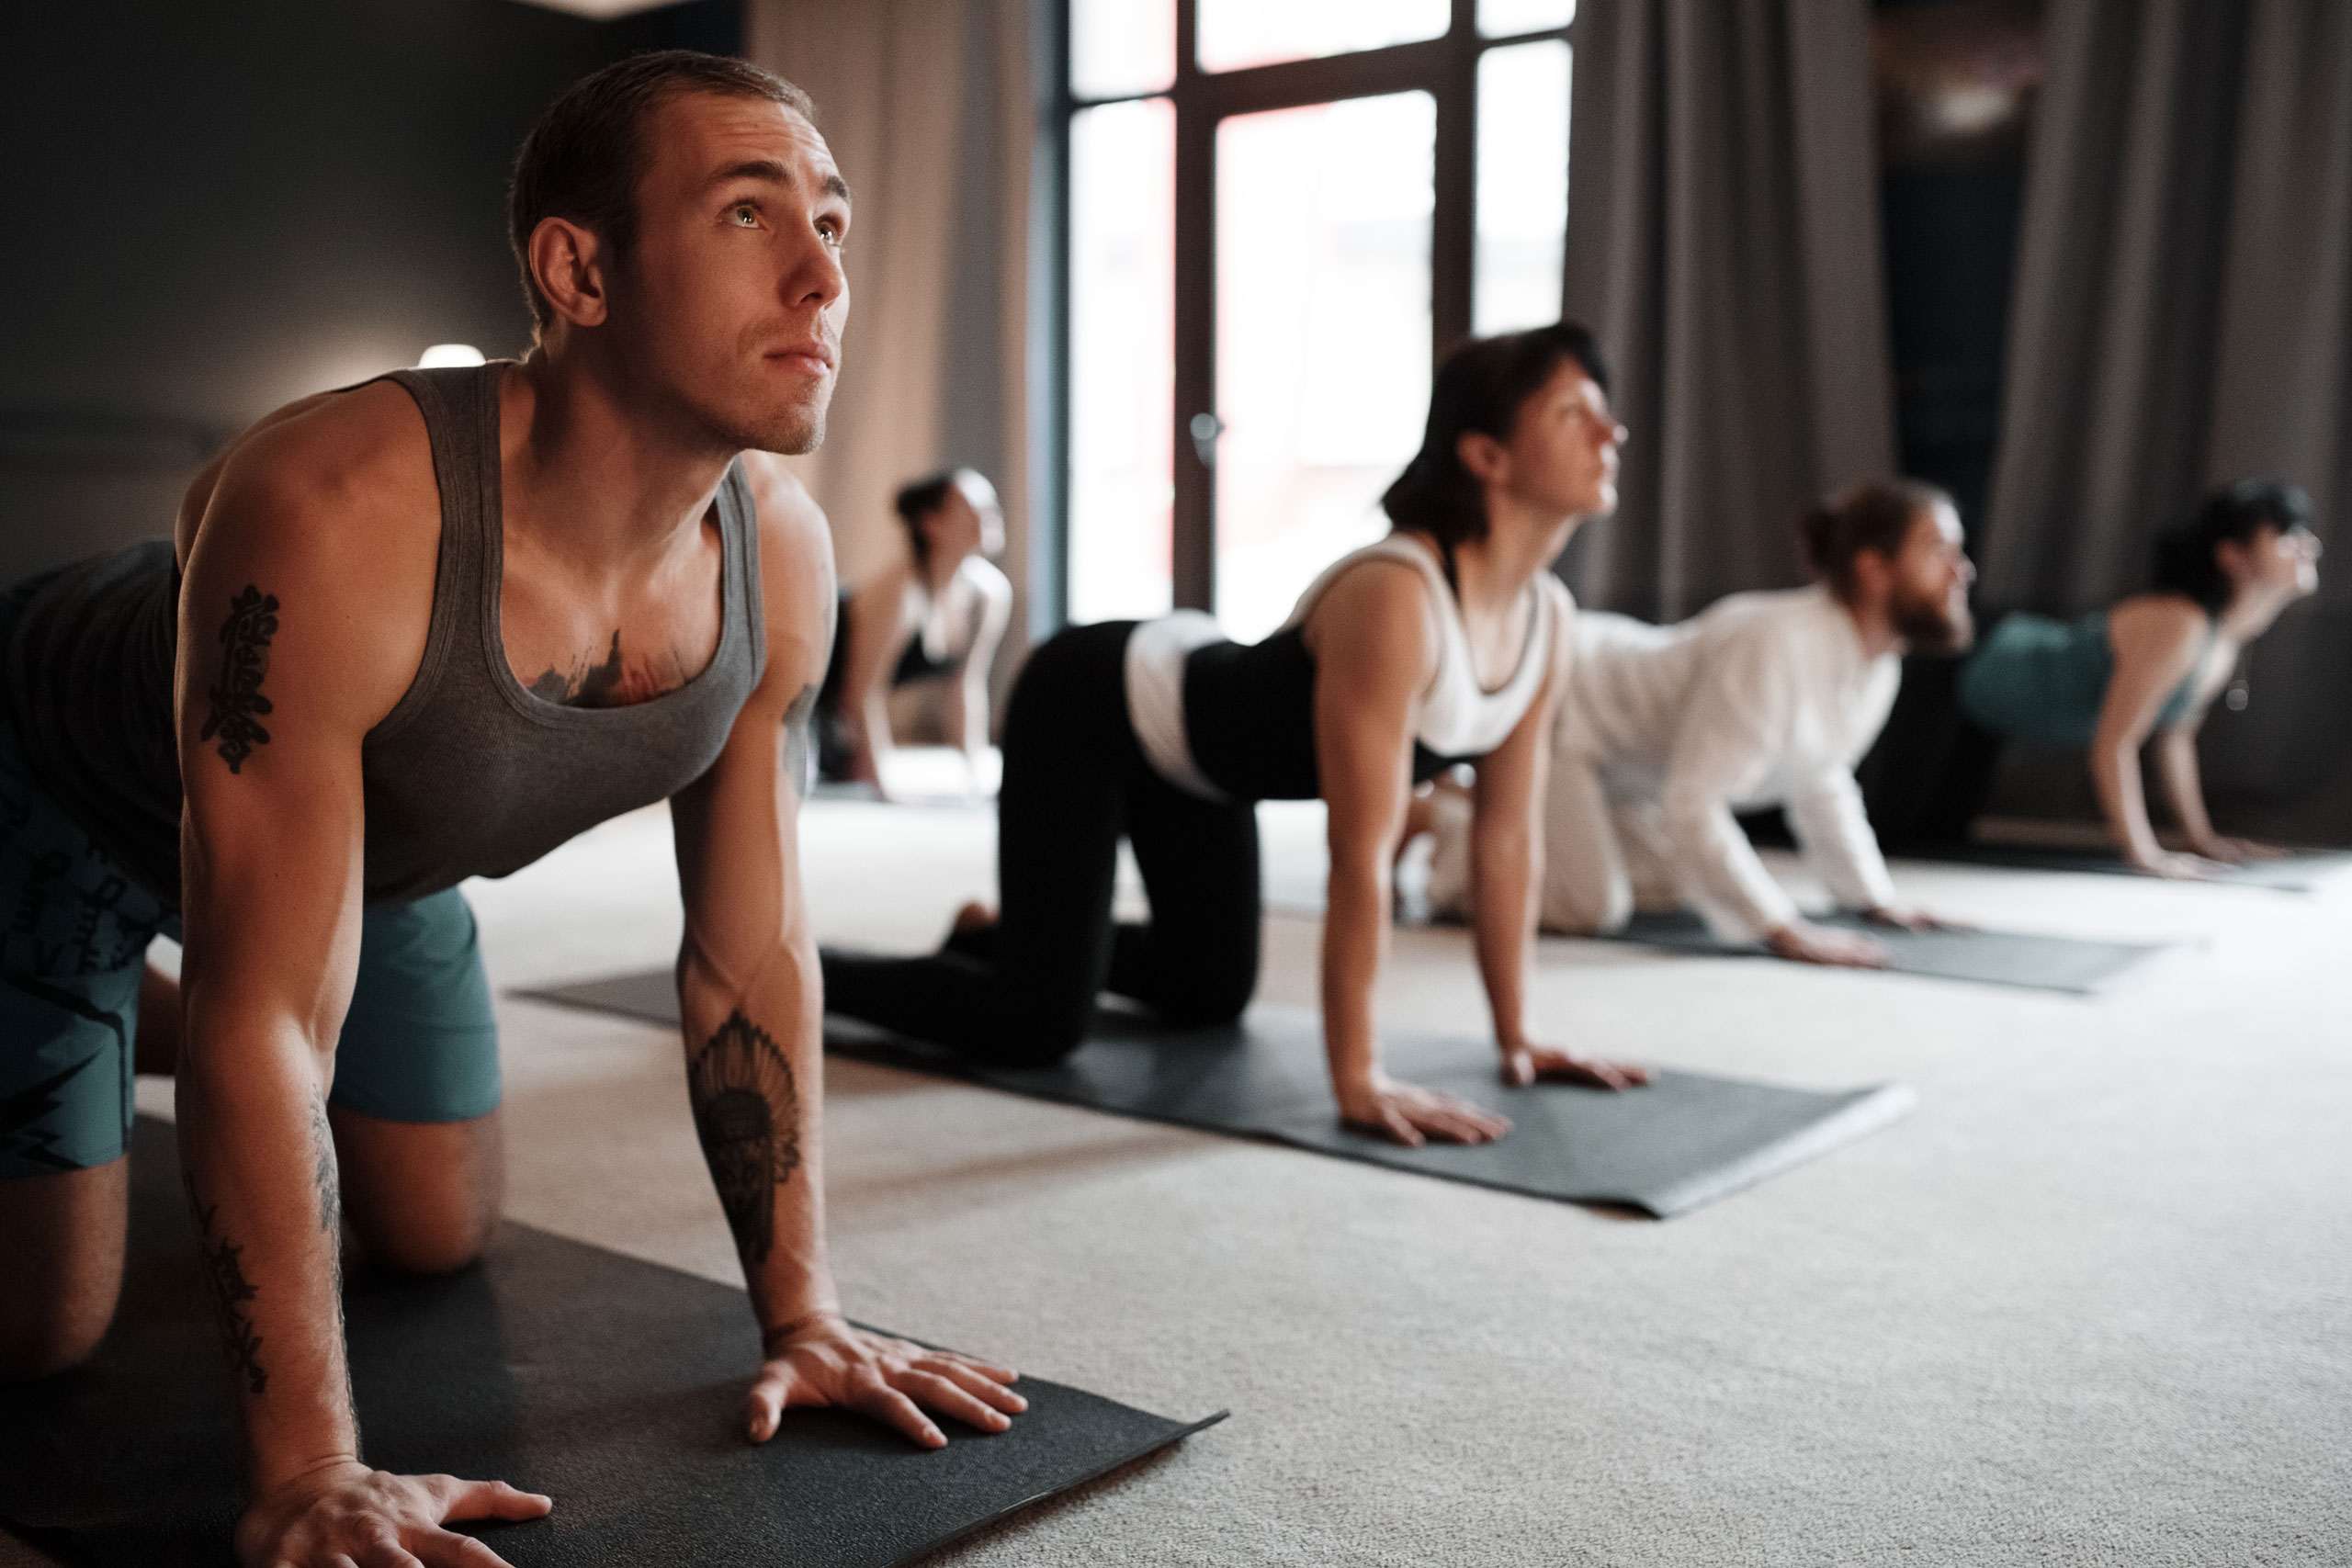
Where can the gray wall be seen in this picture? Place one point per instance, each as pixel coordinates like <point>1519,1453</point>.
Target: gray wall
<point>214,208</point>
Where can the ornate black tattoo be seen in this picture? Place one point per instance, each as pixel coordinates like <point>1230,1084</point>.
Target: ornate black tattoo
<point>747,1113</point>
<point>237,701</point>
<point>231,1292</point>
<point>590,686</point>
<point>799,743</point>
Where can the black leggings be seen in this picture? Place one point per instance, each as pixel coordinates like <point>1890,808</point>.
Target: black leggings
<point>1023,992</point>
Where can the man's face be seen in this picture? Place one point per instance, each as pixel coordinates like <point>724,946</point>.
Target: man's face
<point>732,299</point>
<point>1928,586</point>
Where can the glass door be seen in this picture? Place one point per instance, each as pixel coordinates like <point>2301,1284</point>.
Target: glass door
<point>1322,310</point>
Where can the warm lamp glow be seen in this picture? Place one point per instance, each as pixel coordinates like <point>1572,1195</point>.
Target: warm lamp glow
<point>447,354</point>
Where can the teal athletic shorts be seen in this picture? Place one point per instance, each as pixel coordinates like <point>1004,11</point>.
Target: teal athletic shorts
<point>419,1043</point>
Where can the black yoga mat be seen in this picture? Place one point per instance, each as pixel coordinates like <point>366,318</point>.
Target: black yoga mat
<point>614,1386</point>
<point>2305,873</point>
<point>1998,958</point>
<point>1683,1141</point>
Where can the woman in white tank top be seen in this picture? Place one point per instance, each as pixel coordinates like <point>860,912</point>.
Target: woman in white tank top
<point>1446,641</point>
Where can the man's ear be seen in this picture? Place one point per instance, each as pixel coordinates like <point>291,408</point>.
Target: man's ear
<point>570,263</point>
<point>1486,457</point>
<point>1872,575</point>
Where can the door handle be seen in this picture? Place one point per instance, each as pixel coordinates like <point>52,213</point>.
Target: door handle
<point>1205,429</point>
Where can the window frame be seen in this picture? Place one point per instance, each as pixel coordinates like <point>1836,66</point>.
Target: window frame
<point>1447,67</point>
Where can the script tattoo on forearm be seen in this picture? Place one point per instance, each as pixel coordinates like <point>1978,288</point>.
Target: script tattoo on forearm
<point>231,1292</point>
<point>237,702</point>
<point>747,1113</point>
<point>799,744</point>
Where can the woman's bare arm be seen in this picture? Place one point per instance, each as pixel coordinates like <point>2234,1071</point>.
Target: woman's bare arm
<point>968,713</point>
<point>1373,649</point>
<point>2156,641</point>
<point>1506,869</point>
<point>878,633</point>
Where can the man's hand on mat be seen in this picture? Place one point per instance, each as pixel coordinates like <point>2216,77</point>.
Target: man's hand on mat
<point>1802,942</point>
<point>345,1513</point>
<point>823,1360</point>
<point>1407,1114</point>
<point>1529,1062</point>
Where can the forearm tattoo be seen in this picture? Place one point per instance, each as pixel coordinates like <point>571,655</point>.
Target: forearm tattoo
<point>237,702</point>
<point>231,1292</point>
<point>799,749</point>
<point>747,1113</point>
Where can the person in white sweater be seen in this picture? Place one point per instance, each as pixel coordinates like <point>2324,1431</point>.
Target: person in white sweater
<point>1765,699</point>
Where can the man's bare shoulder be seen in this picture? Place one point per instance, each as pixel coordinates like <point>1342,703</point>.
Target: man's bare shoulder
<point>796,570</point>
<point>349,473</point>
<point>332,511</point>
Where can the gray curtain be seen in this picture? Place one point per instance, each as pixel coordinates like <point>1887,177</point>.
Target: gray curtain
<point>2184,275</point>
<point>1722,241</point>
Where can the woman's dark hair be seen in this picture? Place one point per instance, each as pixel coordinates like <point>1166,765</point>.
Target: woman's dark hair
<point>1875,514</point>
<point>583,157</point>
<point>2184,562</point>
<point>1481,386</point>
<point>919,501</point>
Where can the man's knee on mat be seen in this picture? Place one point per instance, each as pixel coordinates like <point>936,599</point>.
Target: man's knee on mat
<point>422,1197</point>
<point>63,1237</point>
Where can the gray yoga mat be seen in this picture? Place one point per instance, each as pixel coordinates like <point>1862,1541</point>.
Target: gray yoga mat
<point>1683,1141</point>
<point>2306,873</point>
<point>2036,961</point>
<point>614,1385</point>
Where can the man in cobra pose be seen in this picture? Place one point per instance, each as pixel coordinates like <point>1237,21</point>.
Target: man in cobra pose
<point>421,629</point>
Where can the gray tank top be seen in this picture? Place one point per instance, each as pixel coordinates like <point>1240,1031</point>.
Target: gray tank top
<point>468,776</point>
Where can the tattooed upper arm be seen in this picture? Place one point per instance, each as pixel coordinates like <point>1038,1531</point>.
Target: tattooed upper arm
<point>238,705</point>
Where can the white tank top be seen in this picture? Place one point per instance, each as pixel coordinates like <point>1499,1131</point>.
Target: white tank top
<point>1459,718</point>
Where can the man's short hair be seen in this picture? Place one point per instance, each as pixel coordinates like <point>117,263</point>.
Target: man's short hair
<point>584,158</point>
<point>1876,514</point>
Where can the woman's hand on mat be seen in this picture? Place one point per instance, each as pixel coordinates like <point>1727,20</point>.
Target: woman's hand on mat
<point>823,1360</point>
<point>343,1513</point>
<point>1407,1114</point>
<point>1801,942</point>
<point>1902,917</point>
<point>2175,867</point>
<point>2239,851</point>
<point>1530,1063</point>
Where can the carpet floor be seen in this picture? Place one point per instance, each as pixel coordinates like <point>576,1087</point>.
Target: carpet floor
<point>2092,1304</point>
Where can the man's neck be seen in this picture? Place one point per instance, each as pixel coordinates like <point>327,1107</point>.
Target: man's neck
<point>1873,627</point>
<point>590,467</point>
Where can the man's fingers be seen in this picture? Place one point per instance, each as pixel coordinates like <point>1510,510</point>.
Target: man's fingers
<point>386,1555</point>
<point>894,1409</point>
<point>949,1398</point>
<point>989,1369</point>
<point>447,1549</point>
<point>977,1383</point>
<point>764,1405</point>
<point>489,1500</point>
